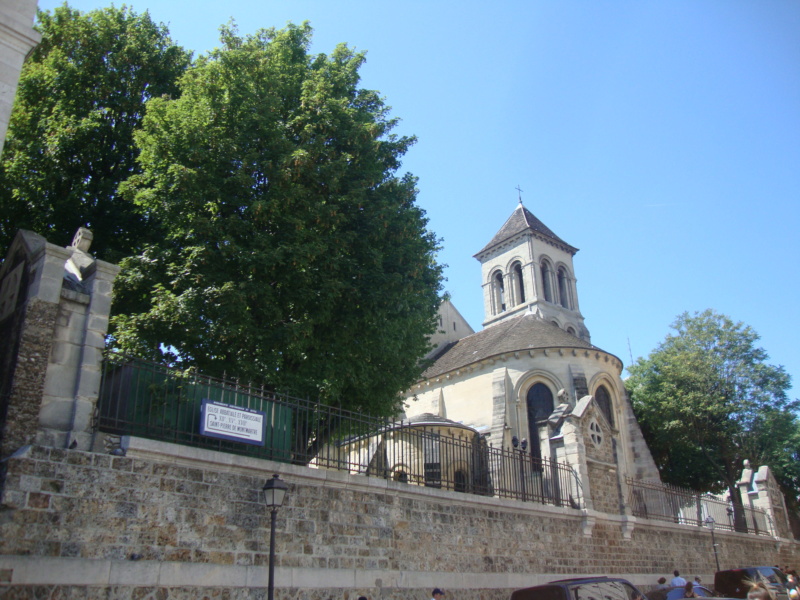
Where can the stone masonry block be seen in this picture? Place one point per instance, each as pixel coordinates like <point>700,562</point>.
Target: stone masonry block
<point>64,359</point>
<point>56,414</point>
<point>89,386</point>
<point>96,339</point>
<point>101,304</point>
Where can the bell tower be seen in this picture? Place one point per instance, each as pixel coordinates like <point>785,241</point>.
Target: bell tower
<point>528,268</point>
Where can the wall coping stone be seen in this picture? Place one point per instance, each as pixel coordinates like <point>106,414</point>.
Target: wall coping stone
<point>37,570</point>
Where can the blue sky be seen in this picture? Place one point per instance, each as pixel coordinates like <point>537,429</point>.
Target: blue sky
<point>660,138</point>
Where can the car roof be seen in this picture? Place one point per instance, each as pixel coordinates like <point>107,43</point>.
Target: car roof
<point>584,579</point>
<point>773,567</point>
<point>548,589</point>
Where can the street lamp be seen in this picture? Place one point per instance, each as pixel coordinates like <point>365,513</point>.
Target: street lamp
<point>710,522</point>
<point>274,493</point>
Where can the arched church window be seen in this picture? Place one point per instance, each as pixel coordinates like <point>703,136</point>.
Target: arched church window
<point>540,406</point>
<point>540,403</point>
<point>563,288</point>
<point>499,293</point>
<point>519,284</point>
<point>571,330</point>
<point>603,399</point>
<point>547,283</point>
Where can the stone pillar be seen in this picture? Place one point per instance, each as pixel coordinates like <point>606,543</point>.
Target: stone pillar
<point>72,384</point>
<point>574,454</point>
<point>61,319</point>
<point>760,490</point>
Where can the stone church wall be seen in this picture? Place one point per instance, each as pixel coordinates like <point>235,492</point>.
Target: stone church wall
<point>172,522</point>
<point>605,488</point>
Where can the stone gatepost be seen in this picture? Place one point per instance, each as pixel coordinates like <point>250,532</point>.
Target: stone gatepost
<point>54,309</point>
<point>760,490</point>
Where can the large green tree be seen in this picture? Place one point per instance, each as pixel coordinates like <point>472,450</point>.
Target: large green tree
<point>707,400</point>
<point>292,252</point>
<point>70,140</point>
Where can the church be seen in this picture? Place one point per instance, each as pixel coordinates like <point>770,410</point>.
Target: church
<point>532,373</point>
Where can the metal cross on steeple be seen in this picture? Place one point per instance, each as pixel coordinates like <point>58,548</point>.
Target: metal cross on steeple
<point>520,193</point>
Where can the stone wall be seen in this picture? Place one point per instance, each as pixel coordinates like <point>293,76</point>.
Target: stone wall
<point>28,365</point>
<point>168,521</point>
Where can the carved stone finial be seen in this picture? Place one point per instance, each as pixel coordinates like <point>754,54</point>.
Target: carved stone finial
<point>83,239</point>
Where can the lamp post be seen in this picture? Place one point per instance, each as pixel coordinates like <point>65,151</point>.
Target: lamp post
<point>524,444</point>
<point>274,493</point>
<point>710,522</point>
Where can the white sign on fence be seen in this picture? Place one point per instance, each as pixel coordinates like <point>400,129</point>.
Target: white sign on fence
<point>232,422</point>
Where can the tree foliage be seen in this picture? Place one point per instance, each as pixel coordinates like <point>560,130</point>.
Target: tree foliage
<point>70,143</point>
<point>291,252</point>
<point>707,400</point>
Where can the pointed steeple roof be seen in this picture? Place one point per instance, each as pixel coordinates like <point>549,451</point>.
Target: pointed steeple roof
<point>522,220</point>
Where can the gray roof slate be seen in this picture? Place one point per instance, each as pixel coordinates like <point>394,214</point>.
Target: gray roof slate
<point>526,332</point>
<point>521,220</point>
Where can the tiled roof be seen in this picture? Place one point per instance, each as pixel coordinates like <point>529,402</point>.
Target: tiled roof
<point>429,419</point>
<point>521,220</point>
<point>526,332</point>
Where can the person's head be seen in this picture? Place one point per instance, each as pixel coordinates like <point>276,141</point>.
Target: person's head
<point>437,594</point>
<point>688,590</point>
<point>362,598</point>
<point>760,591</point>
<point>697,580</point>
<point>675,572</point>
<point>662,580</point>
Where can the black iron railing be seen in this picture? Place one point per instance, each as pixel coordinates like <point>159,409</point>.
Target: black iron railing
<point>663,502</point>
<point>150,400</point>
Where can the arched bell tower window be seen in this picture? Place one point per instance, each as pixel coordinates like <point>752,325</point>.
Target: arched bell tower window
<point>499,290</point>
<point>563,288</point>
<point>603,399</point>
<point>547,282</point>
<point>519,284</point>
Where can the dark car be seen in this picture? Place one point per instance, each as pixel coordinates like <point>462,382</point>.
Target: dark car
<point>735,583</point>
<point>676,593</point>
<point>593,588</point>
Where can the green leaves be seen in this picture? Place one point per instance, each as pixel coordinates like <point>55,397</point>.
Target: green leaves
<point>70,141</point>
<point>291,251</point>
<point>707,400</point>
<point>251,198</point>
